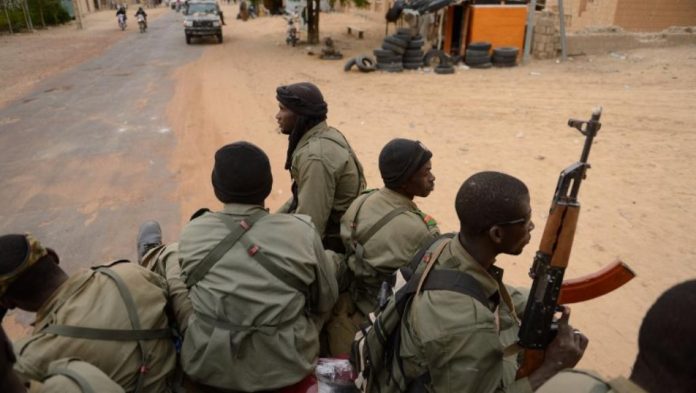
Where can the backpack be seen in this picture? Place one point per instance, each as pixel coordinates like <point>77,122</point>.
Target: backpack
<point>375,351</point>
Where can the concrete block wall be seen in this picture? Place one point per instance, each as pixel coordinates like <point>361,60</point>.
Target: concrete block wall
<point>546,42</point>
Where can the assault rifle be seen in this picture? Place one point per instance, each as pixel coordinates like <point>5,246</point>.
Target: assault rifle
<point>538,327</point>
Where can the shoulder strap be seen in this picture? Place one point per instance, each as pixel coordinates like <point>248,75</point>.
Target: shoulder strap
<point>221,248</point>
<point>81,382</point>
<point>290,280</point>
<point>358,166</point>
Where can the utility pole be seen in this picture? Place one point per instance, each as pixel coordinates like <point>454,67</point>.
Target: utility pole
<point>78,14</point>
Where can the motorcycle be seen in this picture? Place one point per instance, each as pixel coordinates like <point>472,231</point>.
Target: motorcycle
<point>142,23</point>
<point>292,38</point>
<point>122,21</point>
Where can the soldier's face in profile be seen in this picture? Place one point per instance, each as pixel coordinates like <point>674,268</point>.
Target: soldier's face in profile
<point>517,233</point>
<point>286,119</point>
<point>422,183</point>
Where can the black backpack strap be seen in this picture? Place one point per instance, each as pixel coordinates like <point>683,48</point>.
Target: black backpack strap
<point>221,248</point>
<point>456,281</point>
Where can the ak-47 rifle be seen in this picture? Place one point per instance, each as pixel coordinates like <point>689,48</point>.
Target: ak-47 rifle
<point>538,327</point>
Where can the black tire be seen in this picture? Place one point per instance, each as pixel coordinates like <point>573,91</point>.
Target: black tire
<point>435,6</point>
<point>413,59</point>
<point>413,52</point>
<point>391,67</point>
<point>396,41</point>
<point>365,64</point>
<point>382,52</point>
<point>479,46</point>
<point>394,12</point>
<point>506,51</point>
<point>415,44</point>
<point>388,59</point>
<point>444,70</point>
<point>412,66</point>
<point>396,49</point>
<point>435,57</point>
<point>504,64</point>
<point>188,39</point>
<point>404,31</point>
<point>349,64</point>
<point>484,65</point>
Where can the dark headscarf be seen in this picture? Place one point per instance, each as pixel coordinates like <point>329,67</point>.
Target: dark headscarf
<point>400,159</point>
<point>306,101</point>
<point>242,174</point>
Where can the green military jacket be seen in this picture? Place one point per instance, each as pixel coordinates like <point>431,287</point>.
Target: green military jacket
<point>577,381</point>
<point>164,260</point>
<point>91,299</point>
<point>328,175</point>
<point>388,249</point>
<point>458,340</point>
<point>74,376</point>
<point>249,330</point>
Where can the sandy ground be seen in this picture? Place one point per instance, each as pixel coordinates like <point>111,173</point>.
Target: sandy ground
<point>637,200</point>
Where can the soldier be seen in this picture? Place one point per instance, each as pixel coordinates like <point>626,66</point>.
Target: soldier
<point>64,375</point>
<point>382,230</point>
<point>450,341</point>
<point>111,316</point>
<point>666,347</point>
<point>326,174</point>
<point>260,284</point>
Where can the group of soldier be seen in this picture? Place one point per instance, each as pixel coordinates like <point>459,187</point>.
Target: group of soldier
<point>247,300</point>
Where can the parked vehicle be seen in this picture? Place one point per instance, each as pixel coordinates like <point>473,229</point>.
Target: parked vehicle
<point>202,18</point>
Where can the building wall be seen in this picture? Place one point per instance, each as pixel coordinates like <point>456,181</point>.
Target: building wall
<point>631,15</point>
<point>655,15</point>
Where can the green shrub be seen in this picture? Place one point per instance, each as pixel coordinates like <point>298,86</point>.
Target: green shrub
<point>53,14</point>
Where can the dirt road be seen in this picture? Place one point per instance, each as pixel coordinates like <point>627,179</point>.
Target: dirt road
<point>638,198</point>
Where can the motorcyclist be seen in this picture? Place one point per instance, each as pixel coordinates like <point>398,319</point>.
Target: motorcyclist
<point>121,11</point>
<point>292,33</point>
<point>142,12</point>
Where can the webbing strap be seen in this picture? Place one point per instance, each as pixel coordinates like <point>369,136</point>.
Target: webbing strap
<point>290,280</point>
<point>382,222</point>
<point>134,320</point>
<point>221,248</point>
<point>450,280</point>
<point>358,166</point>
<point>107,334</point>
<point>81,382</point>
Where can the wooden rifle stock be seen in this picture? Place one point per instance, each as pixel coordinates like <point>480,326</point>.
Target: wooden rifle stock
<point>538,326</point>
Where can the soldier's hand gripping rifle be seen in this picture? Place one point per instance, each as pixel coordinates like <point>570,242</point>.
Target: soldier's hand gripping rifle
<point>538,327</point>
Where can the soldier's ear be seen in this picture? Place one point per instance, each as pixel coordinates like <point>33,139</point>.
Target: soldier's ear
<point>495,234</point>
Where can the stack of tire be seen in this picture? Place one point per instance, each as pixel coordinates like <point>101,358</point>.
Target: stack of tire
<point>413,56</point>
<point>505,56</point>
<point>477,55</point>
<point>390,57</point>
